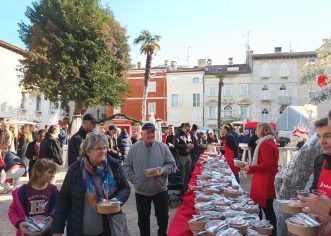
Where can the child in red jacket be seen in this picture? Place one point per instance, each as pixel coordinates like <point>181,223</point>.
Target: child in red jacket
<point>36,198</point>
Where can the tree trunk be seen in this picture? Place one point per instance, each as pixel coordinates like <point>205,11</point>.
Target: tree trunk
<point>295,176</point>
<point>146,79</point>
<point>80,109</point>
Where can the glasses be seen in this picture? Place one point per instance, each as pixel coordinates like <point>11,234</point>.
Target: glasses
<point>104,148</point>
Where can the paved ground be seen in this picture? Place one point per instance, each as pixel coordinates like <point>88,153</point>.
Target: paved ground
<point>129,208</point>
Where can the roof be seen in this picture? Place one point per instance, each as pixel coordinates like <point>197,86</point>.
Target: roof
<point>179,70</point>
<point>228,69</point>
<point>12,47</point>
<point>282,55</point>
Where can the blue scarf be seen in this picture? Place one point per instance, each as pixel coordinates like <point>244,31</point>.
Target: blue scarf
<point>108,186</point>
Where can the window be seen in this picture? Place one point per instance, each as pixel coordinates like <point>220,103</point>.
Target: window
<point>38,103</point>
<point>196,116</point>
<point>152,86</point>
<point>213,90</point>
<point>265,88</point>
<point>151,107</point>
<point>195,80</point>
<point>265,72</point>
<point>284,70</point>
<point>244,90</point>
<point>311,61</point>
<point>196,100</point>
<point>175,100</point>
<point>227,90</point>
<point>174,116</point>
<point>283,91</point>
<point>265,115</point>
<point>212,113</point>
<point>243,111</point>
<point>117,110</point>
<point>227,112</point>
<point>23,102</point>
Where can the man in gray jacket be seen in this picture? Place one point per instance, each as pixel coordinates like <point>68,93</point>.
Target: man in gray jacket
<point>144,155</point>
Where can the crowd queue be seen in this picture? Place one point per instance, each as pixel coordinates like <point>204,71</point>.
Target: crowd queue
<point>101,165</point>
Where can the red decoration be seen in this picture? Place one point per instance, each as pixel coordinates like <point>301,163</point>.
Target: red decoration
<point>322,80</point>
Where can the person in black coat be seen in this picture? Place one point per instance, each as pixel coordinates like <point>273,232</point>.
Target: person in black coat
<point>50,146</point>
<point>32,151</point>
<point>79,193</point>
<point>252,143</point>
<point>124,143</point>
<point>88,125</point>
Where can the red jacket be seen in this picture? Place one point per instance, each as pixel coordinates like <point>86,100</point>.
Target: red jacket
<point>263,179</point>
<point>230,156</point>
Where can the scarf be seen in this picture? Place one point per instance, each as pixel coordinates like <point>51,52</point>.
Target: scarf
<point>104,172</point>
<point>259,142</point>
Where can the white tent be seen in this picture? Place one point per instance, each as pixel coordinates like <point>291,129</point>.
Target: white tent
<point>293,116</point>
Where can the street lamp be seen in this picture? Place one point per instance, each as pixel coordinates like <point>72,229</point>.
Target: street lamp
<point>220,85</point>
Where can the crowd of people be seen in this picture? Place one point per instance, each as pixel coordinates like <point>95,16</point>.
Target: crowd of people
<point>101,165</point>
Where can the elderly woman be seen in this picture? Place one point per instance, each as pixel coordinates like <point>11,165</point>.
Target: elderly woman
<point>95,176</point>
<point>264,170</point>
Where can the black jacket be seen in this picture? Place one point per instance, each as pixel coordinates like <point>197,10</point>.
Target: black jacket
<point>50,149</point>
<point>124,144</point>
<point>30,153</point>
<point>70,202</point>
<point>180,142</point>
<point>318,163</point>
<point>230,141</point>
<point>74,145</point>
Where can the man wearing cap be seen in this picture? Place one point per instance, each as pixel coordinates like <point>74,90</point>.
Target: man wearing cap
<point>88,125</point>
<point>113,149</point>
<point>143,155</point>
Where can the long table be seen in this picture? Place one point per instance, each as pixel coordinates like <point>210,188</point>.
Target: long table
<point>179,225</point>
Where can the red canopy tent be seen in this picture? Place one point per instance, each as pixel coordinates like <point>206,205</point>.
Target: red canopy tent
<point>253,125</point>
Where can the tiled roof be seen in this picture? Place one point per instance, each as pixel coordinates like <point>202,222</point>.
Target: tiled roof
<point>228,69</point>
<point>281,55</point>
<point>12,47</point>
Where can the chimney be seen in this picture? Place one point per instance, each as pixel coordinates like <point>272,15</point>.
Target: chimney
<point>202,63</point>
<point>166,62</point>
<point>278,49</point>
<point>230,60</point>
<point>173,65</point>
<point>138,65</point>
<point>209,62</point>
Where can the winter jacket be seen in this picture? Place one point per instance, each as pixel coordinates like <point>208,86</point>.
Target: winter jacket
<point>17,210</point>
<point>180,142</point>
<point>140,158</point>
<point>74,145</point>
<point>11,159</point>
<point>124,144</point>
<point>50,149</point>
<point>263,187</point>
<point>318,163</point>
<point>30,153</point>
<point>71,199</point>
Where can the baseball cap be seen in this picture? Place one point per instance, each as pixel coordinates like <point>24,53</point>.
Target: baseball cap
<point>90,117</point>
<point>112,127</point>
<point>148,127</point>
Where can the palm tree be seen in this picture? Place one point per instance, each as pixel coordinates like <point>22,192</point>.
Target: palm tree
<point>149,46</point>
<point>220,85</point>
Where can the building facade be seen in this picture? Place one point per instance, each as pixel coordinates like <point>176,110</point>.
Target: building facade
<point>276,83</point>
<point>156,99</point>
<point>236,93</point>
<point>185,95</point>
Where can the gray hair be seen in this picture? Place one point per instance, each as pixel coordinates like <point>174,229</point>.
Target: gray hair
<point>91,140</point>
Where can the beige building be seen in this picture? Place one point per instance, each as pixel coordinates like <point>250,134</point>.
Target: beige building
<point>185,96</point>
<point>236,93</point>
<point>276,83</point>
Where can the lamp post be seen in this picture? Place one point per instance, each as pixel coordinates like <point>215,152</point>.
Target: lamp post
<point>220,85</point>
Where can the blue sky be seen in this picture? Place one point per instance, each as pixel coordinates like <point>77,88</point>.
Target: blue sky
<point>213,29</point>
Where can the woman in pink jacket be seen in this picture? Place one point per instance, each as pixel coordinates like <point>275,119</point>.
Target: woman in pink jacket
<point>36,198</point>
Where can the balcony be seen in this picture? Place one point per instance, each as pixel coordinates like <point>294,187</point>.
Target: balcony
<point>285,100</point>
<point>265,96</point>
